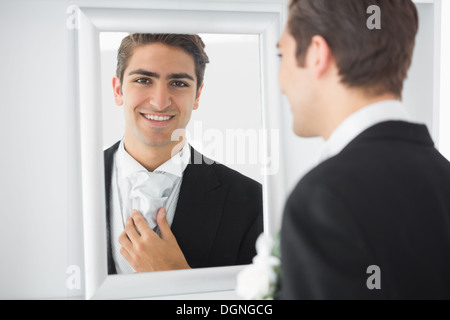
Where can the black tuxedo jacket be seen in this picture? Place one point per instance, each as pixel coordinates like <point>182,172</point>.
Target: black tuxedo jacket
<point>383,201</point>
<point>218,215</point>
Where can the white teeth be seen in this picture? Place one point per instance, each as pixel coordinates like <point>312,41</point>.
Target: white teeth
<point>156,118</point>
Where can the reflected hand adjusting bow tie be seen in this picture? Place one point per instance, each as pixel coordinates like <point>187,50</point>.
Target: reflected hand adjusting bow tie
<point>149,192</point>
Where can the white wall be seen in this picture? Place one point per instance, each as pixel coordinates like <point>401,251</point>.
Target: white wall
<point>444,127</point>
<point>39,205</point>
<point>34,147</point>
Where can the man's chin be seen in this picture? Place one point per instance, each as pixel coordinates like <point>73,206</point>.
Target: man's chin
<point>158,144</point>
<point>162,143</point>
<point>304,132</point>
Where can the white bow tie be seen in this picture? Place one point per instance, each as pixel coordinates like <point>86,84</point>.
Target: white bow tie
<point>149,192</point>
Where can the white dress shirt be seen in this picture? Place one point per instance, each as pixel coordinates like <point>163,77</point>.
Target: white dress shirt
<point>121,204</point>
<point>359,121</point>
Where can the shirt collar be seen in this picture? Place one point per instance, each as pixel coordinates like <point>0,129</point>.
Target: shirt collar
<point>359,121</point>
<point>175,165</point>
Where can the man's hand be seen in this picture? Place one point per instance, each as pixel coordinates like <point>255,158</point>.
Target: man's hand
<point>145,251</point>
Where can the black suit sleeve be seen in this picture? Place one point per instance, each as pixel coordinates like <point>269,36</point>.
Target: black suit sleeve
<point>324,256</point>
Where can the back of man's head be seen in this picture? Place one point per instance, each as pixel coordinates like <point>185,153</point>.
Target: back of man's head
<point>374,59</point>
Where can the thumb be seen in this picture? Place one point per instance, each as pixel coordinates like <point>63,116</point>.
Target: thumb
<point>163,225</point>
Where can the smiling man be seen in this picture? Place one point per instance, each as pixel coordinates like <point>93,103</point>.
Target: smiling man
<point>168,207</point>
<point>372,220</point>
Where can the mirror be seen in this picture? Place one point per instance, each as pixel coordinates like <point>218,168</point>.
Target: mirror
<point>225,129</point>
<point>248,21</point>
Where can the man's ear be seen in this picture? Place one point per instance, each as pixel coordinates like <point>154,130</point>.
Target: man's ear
<point>321,56</point>
<point>117,88</point>
<point>197,99</point>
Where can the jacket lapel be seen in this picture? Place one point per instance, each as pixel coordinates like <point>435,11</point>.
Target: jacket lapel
<point>108,162</point>
<point>199,210</point>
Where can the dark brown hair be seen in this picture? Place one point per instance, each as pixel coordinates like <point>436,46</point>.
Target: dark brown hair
<point>376,60</point>
<point>192,44</point>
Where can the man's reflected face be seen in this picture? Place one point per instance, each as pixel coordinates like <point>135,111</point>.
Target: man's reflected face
<point>158,93</point>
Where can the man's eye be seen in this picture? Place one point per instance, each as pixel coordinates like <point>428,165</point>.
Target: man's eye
<point>179,84</point>
<point>142,80</point>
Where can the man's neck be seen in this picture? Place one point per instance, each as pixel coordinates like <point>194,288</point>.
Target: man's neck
<point>151,157</point>
<point>342,108</point>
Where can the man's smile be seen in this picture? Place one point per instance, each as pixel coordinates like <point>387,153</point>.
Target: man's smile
<point>157,117</point>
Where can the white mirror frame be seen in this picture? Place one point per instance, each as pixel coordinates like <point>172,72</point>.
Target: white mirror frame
<point>263,19</point>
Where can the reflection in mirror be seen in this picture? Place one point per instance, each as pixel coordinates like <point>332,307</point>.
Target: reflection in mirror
<point>207,177</point>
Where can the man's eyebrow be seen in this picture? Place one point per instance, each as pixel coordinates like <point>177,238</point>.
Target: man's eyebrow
<point>181,75</point>
<point>144,73</point>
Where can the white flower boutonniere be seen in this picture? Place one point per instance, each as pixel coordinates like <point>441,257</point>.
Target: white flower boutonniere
<point>260,280</point>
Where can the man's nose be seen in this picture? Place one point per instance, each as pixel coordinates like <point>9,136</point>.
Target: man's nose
<point>160,97</point>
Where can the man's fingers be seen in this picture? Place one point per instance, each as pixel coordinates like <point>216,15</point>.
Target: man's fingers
<point>140,223</point>
<point>163,225</point>
<point>125,241</point>
<point>130,230</point>
<point>126,254</point>
<point>145,250</point>
<point>127,247</point>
